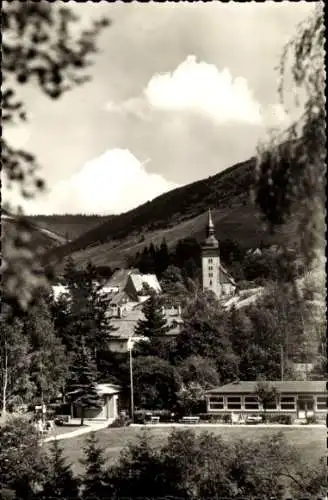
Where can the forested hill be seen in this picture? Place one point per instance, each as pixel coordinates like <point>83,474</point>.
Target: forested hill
<point>68,226</point>
<point>175,215</point>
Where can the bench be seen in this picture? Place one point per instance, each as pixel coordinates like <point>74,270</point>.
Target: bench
<point>154,420</point>
<point>190,420</point>
<point>253,420</point>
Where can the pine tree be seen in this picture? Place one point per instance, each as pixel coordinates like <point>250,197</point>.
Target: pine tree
<point>81,388</point>
<point>154,327</point>
<point>162,258</point>
<point>155,324</point>
<point>95,483</point>
<point>86,312</point>
<point>60,483</point>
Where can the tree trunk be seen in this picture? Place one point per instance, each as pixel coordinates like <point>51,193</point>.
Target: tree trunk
<point>5,385</point>
<point>82,415</point>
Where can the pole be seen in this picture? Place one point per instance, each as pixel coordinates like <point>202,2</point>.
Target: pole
<point>282,362</point>
<point>131,383</point>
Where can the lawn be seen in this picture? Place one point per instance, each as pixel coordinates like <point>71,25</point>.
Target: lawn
<point>310,443</point>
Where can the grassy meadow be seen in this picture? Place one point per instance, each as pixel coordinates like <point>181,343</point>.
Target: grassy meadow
<point>310,443</point>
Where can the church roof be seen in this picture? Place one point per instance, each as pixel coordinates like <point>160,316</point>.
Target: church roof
<point>210,241</point>
<point>227,275</point>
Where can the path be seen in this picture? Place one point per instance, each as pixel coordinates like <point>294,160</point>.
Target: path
<point>87,428</point>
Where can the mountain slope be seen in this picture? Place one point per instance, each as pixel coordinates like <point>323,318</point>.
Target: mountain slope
<point>68,226</point>
<point>175,215</point>
<point>41,238</point>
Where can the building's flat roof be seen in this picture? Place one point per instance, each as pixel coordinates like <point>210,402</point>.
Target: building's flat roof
<point>282,386</point>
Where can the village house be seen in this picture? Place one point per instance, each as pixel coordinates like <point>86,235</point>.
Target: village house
<point>298,398</point>
<point>109,410</point>
<point>124,326</point>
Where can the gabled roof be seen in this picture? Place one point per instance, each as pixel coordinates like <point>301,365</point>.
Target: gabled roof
<point>286,386</point>
<point>119,298</point>
<point>125,326</point>
<point>103,389</point>
<point>119,278</point>
<point>139,280</point>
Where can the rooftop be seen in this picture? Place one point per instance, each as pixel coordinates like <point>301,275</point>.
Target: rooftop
<point>139,280</point>
<point>287,386</point>
<point>119,278</point>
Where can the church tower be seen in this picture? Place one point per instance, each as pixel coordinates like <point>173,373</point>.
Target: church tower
<point>211,259</point>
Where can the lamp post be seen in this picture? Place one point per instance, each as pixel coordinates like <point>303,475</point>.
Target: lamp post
<point>130,347</point>
<point>282,362</point>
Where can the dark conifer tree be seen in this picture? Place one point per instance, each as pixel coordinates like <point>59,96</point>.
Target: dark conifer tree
<point>154,324</point>
<point>154,327</point>
<point>162,258</point>
<point>84,313</point>
<point>60,484</point>
<point>95,481</point>
<point>146,263</point>
<point>81,388</point>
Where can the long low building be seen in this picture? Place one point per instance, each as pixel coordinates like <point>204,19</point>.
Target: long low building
<point>298,398</point>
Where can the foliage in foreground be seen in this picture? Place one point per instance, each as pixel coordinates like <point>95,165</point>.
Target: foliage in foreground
<point>187,466</point>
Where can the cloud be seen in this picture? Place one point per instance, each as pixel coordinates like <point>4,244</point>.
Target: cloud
<point>201,86</point>
<point>202,89</point>
<point>112,183</point>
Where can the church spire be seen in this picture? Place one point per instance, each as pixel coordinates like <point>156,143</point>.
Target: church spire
<point>210,240</point>
<point>210,225</point>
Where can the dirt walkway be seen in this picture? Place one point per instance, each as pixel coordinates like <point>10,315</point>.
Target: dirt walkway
<point>89,427</point>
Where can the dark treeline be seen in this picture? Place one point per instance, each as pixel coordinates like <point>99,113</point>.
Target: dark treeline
<point>263,265</point>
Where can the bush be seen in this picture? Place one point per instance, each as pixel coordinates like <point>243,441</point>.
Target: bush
<point>205,417</point>
<point>201,465</point>
<point>311,419</point>
<point>226,419</point>
<point>280,419</point>
<point>120,422</point>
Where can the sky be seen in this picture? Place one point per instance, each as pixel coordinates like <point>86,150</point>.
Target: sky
<point>179,92</point>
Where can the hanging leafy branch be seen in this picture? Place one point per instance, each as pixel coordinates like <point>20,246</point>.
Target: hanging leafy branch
<point>291,167</point>
<point>40,45</point>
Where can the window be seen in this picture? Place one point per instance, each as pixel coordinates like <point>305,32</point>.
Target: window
<point>210,275</point>
<point>216,403</point>
<point>321,402</point>
<point>251,403</point>
<point>210,268</point>
<point>210,261</point>
<point>271,405</point>
<point>211,283</point>
<point>233,402</point>
<point>287,402</point>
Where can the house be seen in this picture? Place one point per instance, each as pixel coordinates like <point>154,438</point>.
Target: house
<point>132,283</point>
<point>124,326</point>
<point>299,399</point>
<point>124,329</point>
<point>109,395</point>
